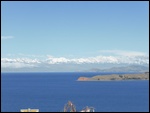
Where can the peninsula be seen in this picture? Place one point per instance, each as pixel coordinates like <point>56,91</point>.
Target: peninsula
<point>141,76</point>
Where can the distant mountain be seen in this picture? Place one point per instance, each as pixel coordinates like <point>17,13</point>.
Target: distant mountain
<point>131,68</point>
<point>105,67</point>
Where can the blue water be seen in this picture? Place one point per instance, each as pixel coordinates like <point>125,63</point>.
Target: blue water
<point>51,91</point>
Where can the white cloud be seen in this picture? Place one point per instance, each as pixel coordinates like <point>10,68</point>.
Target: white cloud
<point>16,65</point>
<point>101,59</point>
<point>121,57</point>
<point>6,37</point>
<point>19,62</point>
<point>123,53</point>
<point>52,60</point>
<point>31,55</point>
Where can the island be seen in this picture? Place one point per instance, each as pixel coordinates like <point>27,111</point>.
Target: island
<point>140,76</point>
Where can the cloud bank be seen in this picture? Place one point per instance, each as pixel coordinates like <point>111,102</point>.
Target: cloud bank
<point>133,58</point>
<point>123,53</point>
<point>7,37</point>
<point>18,62</point>
<point>101,59</point>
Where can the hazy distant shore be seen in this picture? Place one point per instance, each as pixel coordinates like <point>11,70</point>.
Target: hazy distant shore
<point>141,76</point>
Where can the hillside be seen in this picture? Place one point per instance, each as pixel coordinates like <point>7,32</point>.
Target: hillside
<point>131,68</point>
<point>141,76</point>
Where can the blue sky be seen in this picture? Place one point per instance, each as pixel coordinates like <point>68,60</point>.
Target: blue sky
<point>73,29</point>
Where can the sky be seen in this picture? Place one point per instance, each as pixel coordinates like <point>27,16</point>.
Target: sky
<point>53,32</point>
